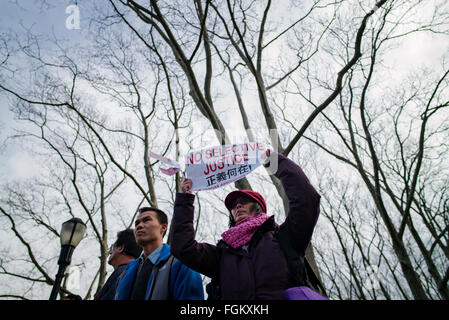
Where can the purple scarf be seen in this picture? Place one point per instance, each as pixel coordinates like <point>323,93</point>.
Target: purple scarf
<point>240,234</point>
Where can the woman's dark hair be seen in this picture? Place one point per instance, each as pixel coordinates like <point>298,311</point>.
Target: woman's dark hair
<point>126,239</point>
<point>254,207</point>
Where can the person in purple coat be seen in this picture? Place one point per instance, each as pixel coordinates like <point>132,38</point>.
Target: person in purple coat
<point>248,263</point>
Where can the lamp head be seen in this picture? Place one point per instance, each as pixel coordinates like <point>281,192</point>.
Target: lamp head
<point>72,232</point>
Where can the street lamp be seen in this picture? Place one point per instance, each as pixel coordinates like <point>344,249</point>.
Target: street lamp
<point>72,232</point>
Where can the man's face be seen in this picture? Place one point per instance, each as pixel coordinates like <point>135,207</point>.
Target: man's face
<point>114,252</point>
<point>148,228</point>
<point>242,208</point>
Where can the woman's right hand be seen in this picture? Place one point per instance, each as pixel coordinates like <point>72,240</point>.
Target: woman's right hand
<point>186,186</point>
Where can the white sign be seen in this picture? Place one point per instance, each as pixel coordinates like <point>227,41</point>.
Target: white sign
<point>217,166</point>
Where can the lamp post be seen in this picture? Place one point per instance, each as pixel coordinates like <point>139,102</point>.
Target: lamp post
<point>72,232</point>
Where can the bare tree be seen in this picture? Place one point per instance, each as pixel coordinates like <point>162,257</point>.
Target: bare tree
<point>314,74</point>
<point>92,159</point>
<point>235,25</point>
<point>394,142</point>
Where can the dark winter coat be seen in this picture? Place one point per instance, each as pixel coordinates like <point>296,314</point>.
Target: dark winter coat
<point>261,272</point>
<point>107,292</point>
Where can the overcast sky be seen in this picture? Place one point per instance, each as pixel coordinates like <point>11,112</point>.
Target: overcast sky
<point>17,16</point>
<point>421,49</point>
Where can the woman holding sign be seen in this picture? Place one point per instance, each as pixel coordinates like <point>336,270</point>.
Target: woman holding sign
<point>248,263</point>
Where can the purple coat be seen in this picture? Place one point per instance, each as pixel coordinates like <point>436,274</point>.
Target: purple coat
<point>261,273</point>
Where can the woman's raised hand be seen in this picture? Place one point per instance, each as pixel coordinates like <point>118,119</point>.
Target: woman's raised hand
<point>186,186</point>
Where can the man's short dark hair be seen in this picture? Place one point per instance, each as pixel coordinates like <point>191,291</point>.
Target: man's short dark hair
<point>126,238</point>
<point>161,216</point>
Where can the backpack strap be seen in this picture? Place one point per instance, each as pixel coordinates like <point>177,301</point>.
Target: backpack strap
<point>294,260</point>
<point>160,284</point>
<point>299,266</point>
<point>314,281</point>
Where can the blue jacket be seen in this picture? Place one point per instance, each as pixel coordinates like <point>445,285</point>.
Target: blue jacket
<point>184,283</point>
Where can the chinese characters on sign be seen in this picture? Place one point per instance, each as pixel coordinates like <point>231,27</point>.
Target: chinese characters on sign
<point>223,176</point>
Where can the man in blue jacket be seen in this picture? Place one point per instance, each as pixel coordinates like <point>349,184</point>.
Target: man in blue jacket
<point>156,274</point>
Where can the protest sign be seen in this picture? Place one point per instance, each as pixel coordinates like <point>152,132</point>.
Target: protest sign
<point>214,167</point>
